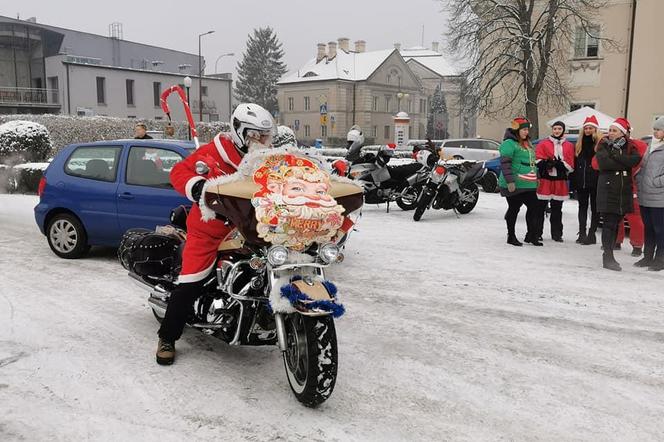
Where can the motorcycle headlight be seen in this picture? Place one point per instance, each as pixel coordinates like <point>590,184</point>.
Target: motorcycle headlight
<point>329,253</point>
<point>277,255</point>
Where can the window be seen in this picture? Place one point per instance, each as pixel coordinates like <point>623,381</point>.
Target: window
<point>151,166</point>
<point>323,131</point>
<point>101,90</point>
<point>386,134</point>
<point>94,163</point>
<point>374,131</point>
<point>423,106</point>
<point>387,103</point>
<point>577,106</point>
<point>156,93</point>
<point>204,91</point>
<point>586,42</point>
<point>410,106</point>
<point>290,103</point>
<point>490,145</point>
<point>374,105</point>
<point>307,130</point>
<point>473,144</point>
<point>53,86</point>
<point>130,92</point>
<point>307,104</point>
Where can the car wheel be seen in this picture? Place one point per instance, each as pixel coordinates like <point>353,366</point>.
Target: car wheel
<point>66,236</point>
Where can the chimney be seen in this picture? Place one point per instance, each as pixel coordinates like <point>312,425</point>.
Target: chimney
<point>321,52</point>
<point>343,43</point>
<point>397,46</point>
<point>331,50</point>
<point>360,46</point>
<point>434,46</point>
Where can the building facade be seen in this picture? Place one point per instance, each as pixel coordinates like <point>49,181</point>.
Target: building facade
<point>46,69</point>
<point>622,80</point>
<point>341,87</point>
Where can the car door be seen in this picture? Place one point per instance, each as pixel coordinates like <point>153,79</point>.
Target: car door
<point>89,189</point>
<point>145,194</point>
<point>491,149</point>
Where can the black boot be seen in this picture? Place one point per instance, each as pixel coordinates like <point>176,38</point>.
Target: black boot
<point>582,237</point>
<point>590,238</point>
<point>511,239</point>
<point>648,256</point>
<point>657,264</point>
<point>636,251</point>
<point>609,262</point>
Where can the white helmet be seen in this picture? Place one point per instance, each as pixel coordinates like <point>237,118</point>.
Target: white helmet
<point>249,117</point>
<point>355,134</point>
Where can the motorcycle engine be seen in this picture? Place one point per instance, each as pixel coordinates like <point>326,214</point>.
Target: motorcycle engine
<point>445,199</point>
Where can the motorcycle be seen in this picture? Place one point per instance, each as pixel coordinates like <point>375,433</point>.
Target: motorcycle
<point>452,184</point>
<point>268,286</point>
<point>382,183</point>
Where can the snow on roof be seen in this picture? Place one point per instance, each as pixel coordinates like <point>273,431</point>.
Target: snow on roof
<point>430,59</point>
<point>352,66</point>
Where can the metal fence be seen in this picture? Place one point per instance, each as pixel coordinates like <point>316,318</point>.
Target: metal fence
<point>28,95</point>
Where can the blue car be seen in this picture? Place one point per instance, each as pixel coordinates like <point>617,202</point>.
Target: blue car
<point>91,193</point>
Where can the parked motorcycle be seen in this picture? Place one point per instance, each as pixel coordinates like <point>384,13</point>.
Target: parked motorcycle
<point>451,185</point>
<point>268,286</point>
<point>382,183</point>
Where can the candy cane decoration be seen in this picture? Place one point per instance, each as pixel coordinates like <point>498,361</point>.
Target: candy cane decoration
<point>187,110</point>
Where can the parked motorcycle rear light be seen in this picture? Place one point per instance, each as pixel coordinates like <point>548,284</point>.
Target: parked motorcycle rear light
<point>277,255</point>
<point>42,186</point>
<point>440,170</point>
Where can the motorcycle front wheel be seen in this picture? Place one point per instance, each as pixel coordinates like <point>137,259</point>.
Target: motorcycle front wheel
<point>423,203</point>
<point>408,199</point>
<point>469,195</point>
<point>310,358</point>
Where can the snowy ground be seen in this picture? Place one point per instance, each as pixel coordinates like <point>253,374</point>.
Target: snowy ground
<point>450,335</point>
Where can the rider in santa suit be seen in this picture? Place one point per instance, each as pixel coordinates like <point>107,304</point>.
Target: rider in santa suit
<point>252,128</point>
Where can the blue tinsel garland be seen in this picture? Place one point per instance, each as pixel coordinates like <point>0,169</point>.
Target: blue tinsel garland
<point>295,295</point>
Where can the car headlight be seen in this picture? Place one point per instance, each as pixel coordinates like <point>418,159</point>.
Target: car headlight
<point>277,255</point>
<point>329,253</point>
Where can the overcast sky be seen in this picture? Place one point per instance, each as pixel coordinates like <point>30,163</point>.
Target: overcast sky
<point>299,24</point>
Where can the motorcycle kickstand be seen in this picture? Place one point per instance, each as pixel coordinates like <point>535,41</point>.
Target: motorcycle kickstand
<point>388,206</point>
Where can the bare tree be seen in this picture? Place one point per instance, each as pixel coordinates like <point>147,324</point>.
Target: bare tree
<point>517,51</point>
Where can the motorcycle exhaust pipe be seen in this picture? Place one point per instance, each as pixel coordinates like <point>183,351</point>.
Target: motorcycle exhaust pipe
<point>281,330</point>
<point>158,306</point>
<point>155,291</point>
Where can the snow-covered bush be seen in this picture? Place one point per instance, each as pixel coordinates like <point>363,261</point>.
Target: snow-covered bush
<point>284,137</point>
<point>22,178</point>
<point>23,141</point>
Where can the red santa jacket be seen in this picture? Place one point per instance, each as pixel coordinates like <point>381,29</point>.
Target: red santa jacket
<point>222,158</point>
<point>549,149</point>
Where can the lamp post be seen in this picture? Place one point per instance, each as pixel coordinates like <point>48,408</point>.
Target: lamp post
<point>200,77</point>
<point>187,85</point>
<point>400,95</point>
<point>230,54</point>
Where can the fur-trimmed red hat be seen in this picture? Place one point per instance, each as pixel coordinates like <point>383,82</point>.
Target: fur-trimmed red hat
<point>623,125</point>
<point>591,121</point>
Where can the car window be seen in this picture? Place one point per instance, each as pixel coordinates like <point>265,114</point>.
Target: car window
<point>473,144</point>
<point>490,145</point>
<point>95,163</point>
<point>151,166</point>
<point>454,143</point>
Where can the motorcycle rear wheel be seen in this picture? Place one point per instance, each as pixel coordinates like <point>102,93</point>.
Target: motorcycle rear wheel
<point>470,190</point>
<point>423,204</point>
<point>310,358</point>
<point>408,200</point>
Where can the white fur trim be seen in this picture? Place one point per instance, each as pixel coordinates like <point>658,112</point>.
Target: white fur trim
<point>622,129</point>
<point>222,151</point>
<point>552,197</point>
<point>195,277</point>
<point>190,184</point>
<point>206,213</point>
<point>568,167</point>
<point>278,303</point>
<point>592,125</point>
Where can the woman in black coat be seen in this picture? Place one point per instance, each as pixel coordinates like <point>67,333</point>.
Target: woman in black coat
<point>584,180</point>
<point>616,156</point>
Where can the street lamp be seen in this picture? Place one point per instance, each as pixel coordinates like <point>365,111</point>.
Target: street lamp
<point>200,77</point>
<point>230,54</point>
<point>187,85</point>
<point>401,95</point>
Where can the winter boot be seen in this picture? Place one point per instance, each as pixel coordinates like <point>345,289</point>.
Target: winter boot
<point>648,257</point>
<point>637,251</point>
<point>582,237</point>
<point>511,239</point>
<point>657,264</point>
<point>165,352</point>
<point>617,247</point>
<point>590,238</point>
<point>609,262</point>
<point>558,238</point>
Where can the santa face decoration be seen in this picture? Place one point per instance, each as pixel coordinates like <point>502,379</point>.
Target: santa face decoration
<point>294,207</point>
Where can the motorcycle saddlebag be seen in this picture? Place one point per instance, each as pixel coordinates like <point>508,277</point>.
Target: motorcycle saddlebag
<point>474,173</point>
<point>147,253</point>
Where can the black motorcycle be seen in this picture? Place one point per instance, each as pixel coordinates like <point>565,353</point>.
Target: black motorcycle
<point>451,185</point>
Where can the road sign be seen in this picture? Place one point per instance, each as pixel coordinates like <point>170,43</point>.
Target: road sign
<point>323,109</point>
<point>323,120</point>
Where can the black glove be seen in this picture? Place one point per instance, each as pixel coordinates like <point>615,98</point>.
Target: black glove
<point>197,190</point>
<point>560,168</point>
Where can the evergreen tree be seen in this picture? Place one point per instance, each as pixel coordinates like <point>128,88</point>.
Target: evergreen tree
<point>260,69</point>
<point>437,113</point>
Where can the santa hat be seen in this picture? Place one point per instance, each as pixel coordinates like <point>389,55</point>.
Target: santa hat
<point>520,123</point>
<point>591,121</point>
<point>623,125</point>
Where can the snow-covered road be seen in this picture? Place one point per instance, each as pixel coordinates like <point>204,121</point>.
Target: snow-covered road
<point>450,334</point>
